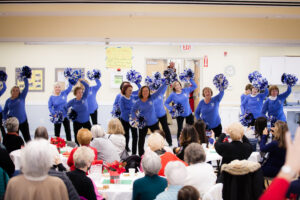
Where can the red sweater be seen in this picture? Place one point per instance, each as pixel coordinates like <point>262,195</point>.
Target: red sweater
<point>71,160</point>
<point>165,158</point>
<point>277,190</point>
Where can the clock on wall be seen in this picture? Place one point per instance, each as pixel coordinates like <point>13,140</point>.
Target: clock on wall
<point>229,71</point>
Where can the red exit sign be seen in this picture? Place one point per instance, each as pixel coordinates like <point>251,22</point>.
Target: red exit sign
<point>186,47</point>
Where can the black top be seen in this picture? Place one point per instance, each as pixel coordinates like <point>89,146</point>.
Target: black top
<point>12,142</point>
<point>82,184</point>
<point>235,150</point>
<point>6,163</point>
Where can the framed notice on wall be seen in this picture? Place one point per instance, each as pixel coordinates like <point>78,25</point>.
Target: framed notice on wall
<point>37,81</point>
<point>118,57</point>
<point>2,69</point>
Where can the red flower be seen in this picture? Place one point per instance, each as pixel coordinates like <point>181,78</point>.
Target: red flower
<point>59,142</point>
<point>116,166</point>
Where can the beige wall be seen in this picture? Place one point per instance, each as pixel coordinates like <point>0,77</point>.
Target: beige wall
<point>245,59</point>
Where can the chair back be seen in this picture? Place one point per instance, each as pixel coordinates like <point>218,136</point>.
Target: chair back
<point>214,193</point>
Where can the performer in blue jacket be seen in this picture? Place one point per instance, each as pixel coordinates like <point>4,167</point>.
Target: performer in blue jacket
<point>126,103</point>
<point>181,96</point>
<point>274,104</point>
<point>248,89</point>
<point>92,101</point>
<point>1,93</point>
<point>146,108</point>
<point>15,107</point>
<point>208,110</point>
<point>57,102</point>
<point>80,106</point>
<point>253,103</point>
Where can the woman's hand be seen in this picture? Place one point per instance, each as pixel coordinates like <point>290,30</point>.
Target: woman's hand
<point>265,132</point>
<point>57,160</point>
<point>293,151</point>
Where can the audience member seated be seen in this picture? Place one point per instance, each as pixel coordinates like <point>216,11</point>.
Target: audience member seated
<point>276,149</point>
<point>12,141</point>
<point>148,187</point>
<point>156,143</point>
<point>105,148</point>
<point>116,135</point>
<point>254,133</point>
<point>239,148</point>
<point>166,145</point>
<point>188,193</point>
<point>34,183</point>
<point>199,173</point>
<point>279,186</point>
<point>4,180</point>
<point>175,173</point>
<point>200,127</point>
<point>84,137</point>
<point>6,163</point>
<point>83,158</point>
<point>188,135</point>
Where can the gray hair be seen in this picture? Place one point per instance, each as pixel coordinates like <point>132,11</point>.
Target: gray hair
<point>41,132</point>
<point>12,124</point>
<point>175,172</point>
<point>36,158</point>
<point>151,163</point>
<point>97,131</point>
<point>194,153</point>
<point>83,157</point>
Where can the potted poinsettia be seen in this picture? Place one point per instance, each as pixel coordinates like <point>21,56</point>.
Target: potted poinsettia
<point>58,142</point>
<point>115,169</point>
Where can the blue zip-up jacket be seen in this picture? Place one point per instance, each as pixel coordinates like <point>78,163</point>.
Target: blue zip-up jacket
<point>147,108</point>
<point>275,107</point>
<point>126,106</point>
<point>16,107</point>
<point>58,103</point>
<point>92,101</point>
<point>209,112</point>
<point>81,106</point>
<point>2,92</point>
<point>182,98</point>
<point>254,104</point>
<point>159,104</point>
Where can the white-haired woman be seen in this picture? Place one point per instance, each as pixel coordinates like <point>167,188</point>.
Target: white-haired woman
<point>57,102</point>
<point>106,150</point>
<point>34,183</point>
<point>12,141</point>
<point>199,173</point>
<point>154,183</point>
<point>175,172</point>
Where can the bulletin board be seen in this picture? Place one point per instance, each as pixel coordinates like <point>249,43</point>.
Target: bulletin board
<point>2,69</point>
<point>37,81</point>
<point>118,57</point>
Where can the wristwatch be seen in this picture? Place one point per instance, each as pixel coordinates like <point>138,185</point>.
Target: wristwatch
<point>288,170</point>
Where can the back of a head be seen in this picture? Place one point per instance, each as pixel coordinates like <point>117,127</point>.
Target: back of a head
<point>36,158</point>
<point>83,157</point>
<point>97,131</point>
<point>115,127</point>
<point>188,192</point>
<point>151,163</point>
<point>175,172</point>
<point>12,124</point>
<point>200,127</point>
<point>156,141</point>
<point>41,132</point>
<point>260,124</point>
<point>188,135</point>
<point>84,136</point>
<point>282,128</point>
<point>236,131</point>
<point>194,153</point>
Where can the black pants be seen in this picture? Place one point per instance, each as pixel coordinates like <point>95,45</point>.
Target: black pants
<point>24,128</point>
<point>1,126</point>
<point>142,136</point>
<point>189,120</point>
<point>77,126</point>
<point>66,124</point>
<point>217,130</point>
<point>164,123</point>
<point>94,117</point>
<point>126,127</point>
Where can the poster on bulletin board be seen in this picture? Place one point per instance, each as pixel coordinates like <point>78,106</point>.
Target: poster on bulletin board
<point>2,69</point>
<point>37,81</point>
<point>118,57</point>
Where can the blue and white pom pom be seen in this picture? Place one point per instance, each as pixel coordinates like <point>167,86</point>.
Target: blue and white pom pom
<point>176,110</point>
<point>57,117</point>
<point>24,72</point>
<point>272,119</point>
<point>157,75</point>
<point>94,74</point>
<point>170,76</point>
<point>72,114</point>
<point>116,112</point>
<point>254,75</point>
<point>247,119</point>
<point>154,82</point>
<point>3,76</point>
<point>139,122</point>
<point>75,76</point>
<point>148,81</point>
<point>134,76</point>
<point>289,79</point>
<point>186,75</point>
<point>68,72</point>
<point>221,82</point>
<point>260,83</point>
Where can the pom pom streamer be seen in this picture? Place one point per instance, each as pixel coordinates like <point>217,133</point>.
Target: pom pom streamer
<point>170,76</point>
<point>68,72</point>
<point>139,122</point>
<point>260,83</point>
<point>3,76</point>
<point>177,110</point>
<point>221,82</point>
<point>254,75</point>
<point>57,117</point>
<point>134,76</point>
<point>154,82</point>
<point>94,74</point>
<point>289,79</point>
<point>23,73</point>
<point>186,75</point>
<point>116,112</point>
<point>75,76</point>
<point>72,114</point>
<point>247,119</point>
<point>272,119</point>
